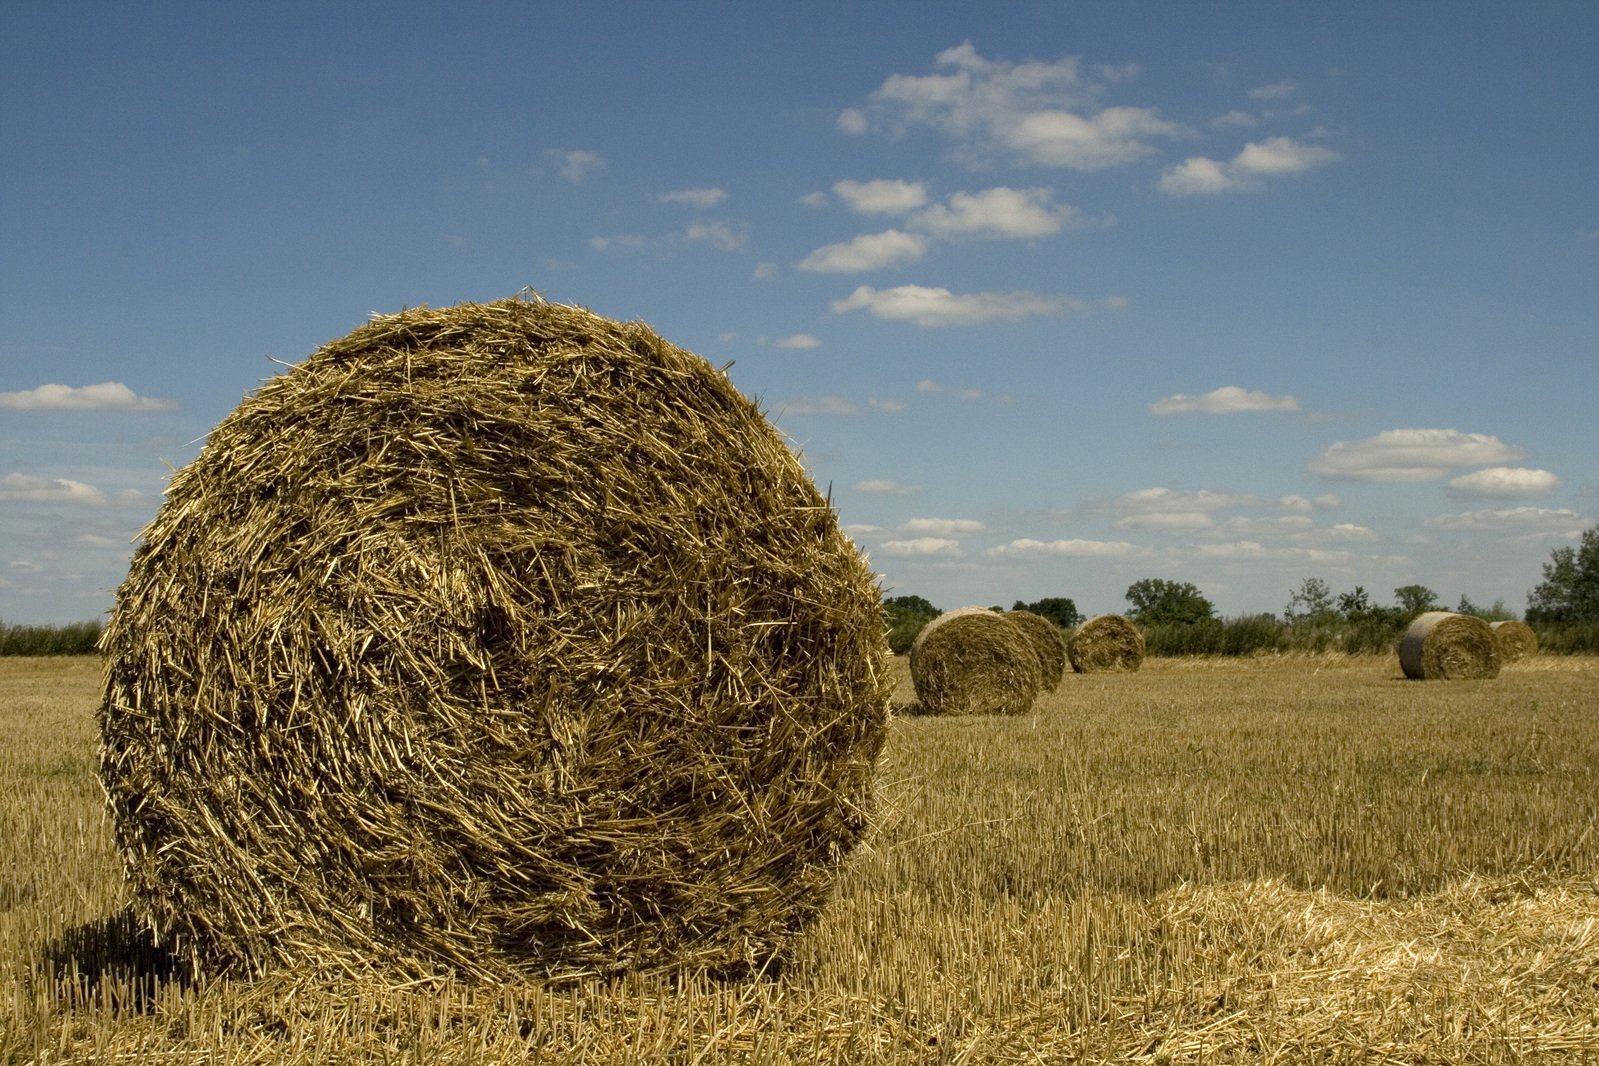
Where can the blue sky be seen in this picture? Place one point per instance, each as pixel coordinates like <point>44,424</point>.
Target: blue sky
<point>1053,297</point>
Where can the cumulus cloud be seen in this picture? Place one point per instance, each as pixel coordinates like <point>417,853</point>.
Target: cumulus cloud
<point>1505,482</point>
<point>1095,549</point>
<point>871,251</point>
<point>801,341</point>
<point>1275,91</point>
<point>1410,455</point>
<point>820,405</point>
<point>884,487</point>
<point>695,197</point>
<point>941,527</point>
<point>1229,399</point>
<point>30,489</point>
<point>718,235</point>
<point>882,196</point>
<point>998,212</point>
<point>1039,113</point>
<point>1271,158</point>
<point>921,546</point>
<point>575,165</point>
<point>935,307</point>
<point>106,396</point>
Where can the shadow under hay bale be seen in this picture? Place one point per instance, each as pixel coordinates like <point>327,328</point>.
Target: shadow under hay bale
<point>111,960</point>
<point>499,638</point>
<point>1516,640</point>
<point>1443,645</point>
<point>1048,643</point>
<point>972,661</point>
<point>1106,643</point>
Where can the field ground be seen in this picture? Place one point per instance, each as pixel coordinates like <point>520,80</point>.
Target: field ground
<point>1291,860</point>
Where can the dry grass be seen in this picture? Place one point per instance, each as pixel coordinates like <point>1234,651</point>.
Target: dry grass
<point>1293,860</point>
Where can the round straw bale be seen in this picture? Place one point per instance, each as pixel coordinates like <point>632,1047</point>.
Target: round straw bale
<point>1443,645</point>
<point>502,638</point>
<point>1517,640</point>
<point>973,661</point>
<point>1106,642</point>
<point>1047,642</point>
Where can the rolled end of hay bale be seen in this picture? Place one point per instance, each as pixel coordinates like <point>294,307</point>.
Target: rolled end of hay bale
<point>500,638</point>
<point>973,661</point>
<point>1443,645</point>
<point>1048,643</point>
<point>1106,642</point>
<point>1517,640</point>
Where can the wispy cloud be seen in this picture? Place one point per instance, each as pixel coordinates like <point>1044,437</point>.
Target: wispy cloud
<point>1411,455</point>
<point>575,164</point>
<point>1039,113</point>
<point>819,405</point>
<point>1227,400</point>
<point>942,527</point>
<point>798,341</point>
<point>1531,521</point>
<point>718,234</point>
<point>1275,91</point>
<point>884,487</point>
<point>936,307</point>
<point>921,546</point>
<point>29,488</point>
<point>1272,158</point>
<point>1093,549</point>
<point>106,396</point>
<point>1505,482</point>
<point>696,197</point>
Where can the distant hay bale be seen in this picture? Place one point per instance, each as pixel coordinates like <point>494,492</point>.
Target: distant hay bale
<point>1106,642</point>
<point>1517,640</point>
<point>502,638</point>
<point>972,661</point>
<point>1047,642</point>
<point>1443,645</point>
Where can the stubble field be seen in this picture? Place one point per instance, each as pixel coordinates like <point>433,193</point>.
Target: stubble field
<point>1270,860</point>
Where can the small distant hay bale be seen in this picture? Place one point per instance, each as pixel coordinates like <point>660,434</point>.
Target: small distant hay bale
<point>1047,642</point>
<point>504,638</point>
<point>1443,645</point>
<point>1517,640</point>
<point>1104,643</point>
<point>972,661</point>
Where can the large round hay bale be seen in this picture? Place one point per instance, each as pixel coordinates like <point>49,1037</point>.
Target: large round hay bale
<point>973,661</point>
<point>1516,640</point>
<point>1106,642</point>
<point>1048,643</point>
<point>500,638</point>
<point>1443,645</point>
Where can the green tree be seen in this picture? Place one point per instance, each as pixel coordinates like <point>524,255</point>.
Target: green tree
<point>1355,603</point>
<point>1415,599</point>
<point>911,605</point>
<point>1569,591</point>
<point>906,615</point>
<point>1058,609</point>
<point>1157,600</point>
<point>1313,599</point>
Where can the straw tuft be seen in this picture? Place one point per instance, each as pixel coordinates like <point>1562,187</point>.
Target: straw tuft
<point>1443,645</point>
<point>1104,643</point>
<point>1516,640</point>
<point>1047,642</point>
<point>972,661</point>
<point>502,638</point>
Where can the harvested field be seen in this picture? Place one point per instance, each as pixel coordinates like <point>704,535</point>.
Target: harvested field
<point>1292,859</point>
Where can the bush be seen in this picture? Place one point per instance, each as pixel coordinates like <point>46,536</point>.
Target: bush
<point>76,638</point>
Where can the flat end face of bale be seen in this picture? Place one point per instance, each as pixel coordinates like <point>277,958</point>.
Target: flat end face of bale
<point>1445,646</point>
<point>1048,643</point>
<point>974,663</point>
<point>1516,640</point>
<point>500,638</point>
<point>1106,643</point>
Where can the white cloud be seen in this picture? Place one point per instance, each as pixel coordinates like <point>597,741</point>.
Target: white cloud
<point>575,165</point>
<point>891,407</point>
<point>1525,520</point>
<point>106,396</point>
<point>30,489</point>
<point>802,341</point>
<point>871,251</point>
<point>695,197</point>
<point>1273,157</point>
<point>1274,91</point>
<point>1351,531</point>
<point>1236,118</point>
<point>1157,500</point>
<point>1098,549</point>
<point>763,271</point>
<point>941,527</point>
<point>820,405</point>
<point>629,241</point>
<point>882,196</point>
<point>884,487</point>
<point>998,212</point>
<point>935,307</point>
<point>718,235</point>
<point>1167,520</point>
<point>1229,399</point>
<point>921,546</point>
<point>1410,455</point>
<point>929,385</point>
<point>1505,483</point>
<point>95,540</point>
<point>1042,113</point>
<point>853,121</point>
